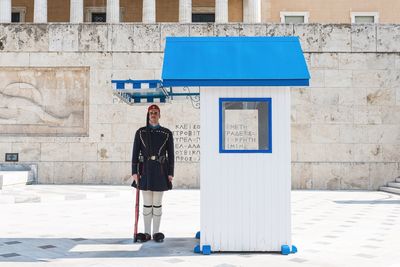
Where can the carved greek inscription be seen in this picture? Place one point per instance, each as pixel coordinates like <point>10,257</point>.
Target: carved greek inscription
<point>187,142</point>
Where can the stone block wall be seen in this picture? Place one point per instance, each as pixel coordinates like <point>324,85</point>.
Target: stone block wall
<point>345,126</point>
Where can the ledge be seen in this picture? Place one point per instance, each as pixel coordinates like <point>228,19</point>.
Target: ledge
<point>138,37</point>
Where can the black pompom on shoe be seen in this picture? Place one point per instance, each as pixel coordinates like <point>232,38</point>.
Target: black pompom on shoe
<point>158,237</point>
<point>141,238</point>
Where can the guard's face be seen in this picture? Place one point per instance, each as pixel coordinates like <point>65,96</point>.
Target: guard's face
<point>154,116</point>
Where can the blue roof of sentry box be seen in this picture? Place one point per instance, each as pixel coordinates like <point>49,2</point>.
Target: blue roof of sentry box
<point>234,61</point>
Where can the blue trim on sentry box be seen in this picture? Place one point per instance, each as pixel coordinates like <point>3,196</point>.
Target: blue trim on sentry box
<point>285,250</point>
<point>235,82</point>
<point>266,99</point>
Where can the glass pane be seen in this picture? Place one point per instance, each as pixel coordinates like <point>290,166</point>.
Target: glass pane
<point>364,19</point>
<point>15,17</point>
<point>203,17</point>
<point>245,125</point>
<point>294,19</point>
<point>98,17</point>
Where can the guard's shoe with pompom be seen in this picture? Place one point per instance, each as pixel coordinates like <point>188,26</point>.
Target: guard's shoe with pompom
<point>158,237</point>
<point>143,237</point>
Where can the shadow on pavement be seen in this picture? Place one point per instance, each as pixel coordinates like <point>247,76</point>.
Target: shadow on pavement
<point>373,202</point>
<point>42,249</point>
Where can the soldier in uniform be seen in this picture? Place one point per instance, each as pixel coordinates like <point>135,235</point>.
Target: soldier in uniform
<point>153,144</point>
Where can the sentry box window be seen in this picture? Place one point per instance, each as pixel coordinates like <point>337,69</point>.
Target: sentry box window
<point>245,125</point>
<point>13,157</point>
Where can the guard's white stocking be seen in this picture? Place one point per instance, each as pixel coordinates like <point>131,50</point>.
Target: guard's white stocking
<point>147,210</point>
<point>157,211</point>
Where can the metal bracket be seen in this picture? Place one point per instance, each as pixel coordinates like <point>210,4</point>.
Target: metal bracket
<point>194,97</point>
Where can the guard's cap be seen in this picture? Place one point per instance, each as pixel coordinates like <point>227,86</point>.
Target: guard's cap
<point>153,107</point>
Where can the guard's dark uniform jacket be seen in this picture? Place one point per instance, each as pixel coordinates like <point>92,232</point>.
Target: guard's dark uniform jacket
<point>158,158</point>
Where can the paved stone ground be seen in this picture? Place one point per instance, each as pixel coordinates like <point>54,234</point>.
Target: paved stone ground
<point>43,225</point>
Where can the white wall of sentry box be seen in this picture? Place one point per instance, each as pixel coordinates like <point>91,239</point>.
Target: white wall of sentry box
<point>245,197</point>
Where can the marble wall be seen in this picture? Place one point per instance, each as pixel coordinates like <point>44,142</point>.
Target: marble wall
<point>345,126</point>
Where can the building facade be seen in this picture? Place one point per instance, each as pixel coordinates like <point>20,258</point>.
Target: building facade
<point>186,11</point>
<point>58,112</point>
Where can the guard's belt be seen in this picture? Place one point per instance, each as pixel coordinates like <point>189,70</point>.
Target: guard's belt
<point>157,158</point>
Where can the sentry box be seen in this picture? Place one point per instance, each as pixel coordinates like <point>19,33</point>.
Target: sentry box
<point>245,162</point>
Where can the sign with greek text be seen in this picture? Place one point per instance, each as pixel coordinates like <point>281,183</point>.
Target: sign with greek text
<point>241,129</point>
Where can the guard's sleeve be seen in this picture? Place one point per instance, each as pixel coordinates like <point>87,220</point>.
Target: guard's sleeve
<point>135,153</point>
<point>171,154</point>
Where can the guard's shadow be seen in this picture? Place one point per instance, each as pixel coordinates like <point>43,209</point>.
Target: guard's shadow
<point>385,199</point>
<point>43,249</point>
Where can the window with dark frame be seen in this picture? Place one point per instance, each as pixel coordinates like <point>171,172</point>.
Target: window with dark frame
<point>203,17</point>
<point>99,17</point>
<point>15,17</point>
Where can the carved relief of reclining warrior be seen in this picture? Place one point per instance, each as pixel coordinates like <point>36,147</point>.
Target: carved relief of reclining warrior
<point>22,103</point>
